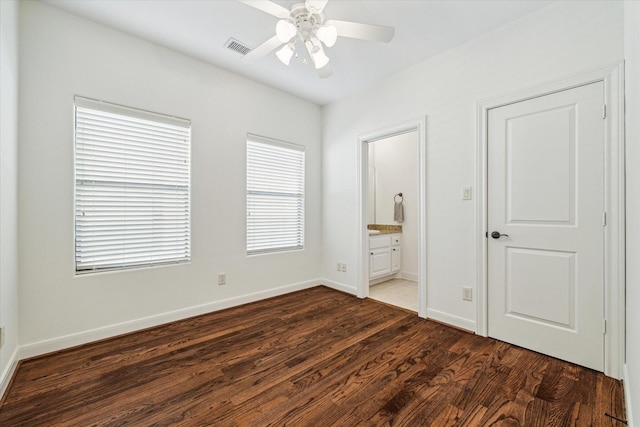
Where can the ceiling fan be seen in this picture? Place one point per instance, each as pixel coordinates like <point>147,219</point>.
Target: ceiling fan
<point>305,23</point>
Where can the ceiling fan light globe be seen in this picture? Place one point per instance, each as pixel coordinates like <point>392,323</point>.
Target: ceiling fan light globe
<point>285,30</point>
<point>320,59</point>
<point>328,35</point>
<point>285,54</point>
<point>315,6</point>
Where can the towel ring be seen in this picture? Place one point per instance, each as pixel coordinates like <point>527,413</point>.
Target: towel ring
<point>395,198</point>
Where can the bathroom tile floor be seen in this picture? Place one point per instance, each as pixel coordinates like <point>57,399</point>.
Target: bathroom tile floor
<point>399,292</point>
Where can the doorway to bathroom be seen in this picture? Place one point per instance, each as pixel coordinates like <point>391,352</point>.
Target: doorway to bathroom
<point>393,216</point>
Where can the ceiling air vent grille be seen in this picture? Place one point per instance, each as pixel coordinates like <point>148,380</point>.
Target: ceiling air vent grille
<point>238,46</point>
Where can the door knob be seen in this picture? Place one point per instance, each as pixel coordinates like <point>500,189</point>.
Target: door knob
<point>497,235</point>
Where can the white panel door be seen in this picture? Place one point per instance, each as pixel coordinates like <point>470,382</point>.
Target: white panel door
<point>546,200</point>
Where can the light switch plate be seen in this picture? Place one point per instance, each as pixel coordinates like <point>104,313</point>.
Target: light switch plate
<point>466,193</point>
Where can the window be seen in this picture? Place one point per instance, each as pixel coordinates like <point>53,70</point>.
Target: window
<point>275,196</point>
<point>132,177</point>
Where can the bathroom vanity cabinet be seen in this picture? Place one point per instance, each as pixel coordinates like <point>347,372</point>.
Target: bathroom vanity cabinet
<point>385,255</point>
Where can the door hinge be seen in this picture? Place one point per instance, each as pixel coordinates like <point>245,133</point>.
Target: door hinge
<point>604,111</point>
<point>604,326</point>
<point>604,219</point>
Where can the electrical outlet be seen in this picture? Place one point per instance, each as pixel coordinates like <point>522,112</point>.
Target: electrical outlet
<point>2,329</point>
<point>467,294</point>
<point>222,278</point>
<point>343,268</point>
<point>339,267</point>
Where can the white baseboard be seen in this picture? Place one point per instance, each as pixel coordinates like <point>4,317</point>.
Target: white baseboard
<point>67,341</point>
<point>339,286</point>
<point>409,276</point>
<point>381,279</point>
<point>450,319</point>
<point>7,374</point>
<point>401,275</point>
<point>627,395</point>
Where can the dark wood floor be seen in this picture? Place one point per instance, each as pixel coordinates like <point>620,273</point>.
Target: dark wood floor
<point>312,358</point>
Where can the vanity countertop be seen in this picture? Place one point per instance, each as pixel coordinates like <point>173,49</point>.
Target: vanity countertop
<point>383,229</point>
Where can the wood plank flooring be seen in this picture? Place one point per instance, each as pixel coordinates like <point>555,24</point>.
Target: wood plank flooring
<point>316,357</point>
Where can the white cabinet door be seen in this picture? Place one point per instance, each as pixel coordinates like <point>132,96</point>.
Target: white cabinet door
<point>395,259</point>
<point>379,262</point>
<point>545,192</point>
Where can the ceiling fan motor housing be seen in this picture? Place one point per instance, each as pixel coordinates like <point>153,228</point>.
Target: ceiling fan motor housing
<point>305,20</point>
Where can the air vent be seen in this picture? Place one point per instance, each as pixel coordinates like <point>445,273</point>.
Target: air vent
<point>238,46</point>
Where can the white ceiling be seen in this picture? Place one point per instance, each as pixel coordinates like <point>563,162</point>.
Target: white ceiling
<point>201,28</point>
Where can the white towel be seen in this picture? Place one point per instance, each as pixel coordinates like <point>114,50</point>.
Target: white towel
<point>398,212</point>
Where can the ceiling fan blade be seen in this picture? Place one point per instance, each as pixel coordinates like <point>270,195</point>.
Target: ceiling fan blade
<point>356,30</point>
<point>325,71</point>
<point>264,49</point>
<point>268,7</point>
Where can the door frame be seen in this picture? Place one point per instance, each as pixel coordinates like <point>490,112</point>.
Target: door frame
<point>362,262</point>
<point>614,203</point>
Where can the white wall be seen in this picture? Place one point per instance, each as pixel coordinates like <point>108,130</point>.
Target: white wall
<point>396,163</point>
<point>62,55</point>
<point>632,89</point>
<point>8,186</point>
<point>562,39</point>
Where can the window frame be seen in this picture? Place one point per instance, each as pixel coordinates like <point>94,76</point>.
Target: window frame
<point>300,223</point>
<point>141,117</point>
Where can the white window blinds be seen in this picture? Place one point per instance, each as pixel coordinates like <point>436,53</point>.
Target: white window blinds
<point>132,176</point>
<point>275,196</point>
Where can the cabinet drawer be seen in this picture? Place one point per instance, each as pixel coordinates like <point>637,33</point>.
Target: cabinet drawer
<point>396,239</point>
<point>379,241</point>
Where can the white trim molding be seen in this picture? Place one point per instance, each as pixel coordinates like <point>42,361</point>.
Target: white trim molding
<point>362,261</point>
<point>339,286</point>
<point>408,276</point>
<point>627,395</point>
<point>84,337</point>
<point>614,298</point>
<point>450,319</point>
<point>7,374</point>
